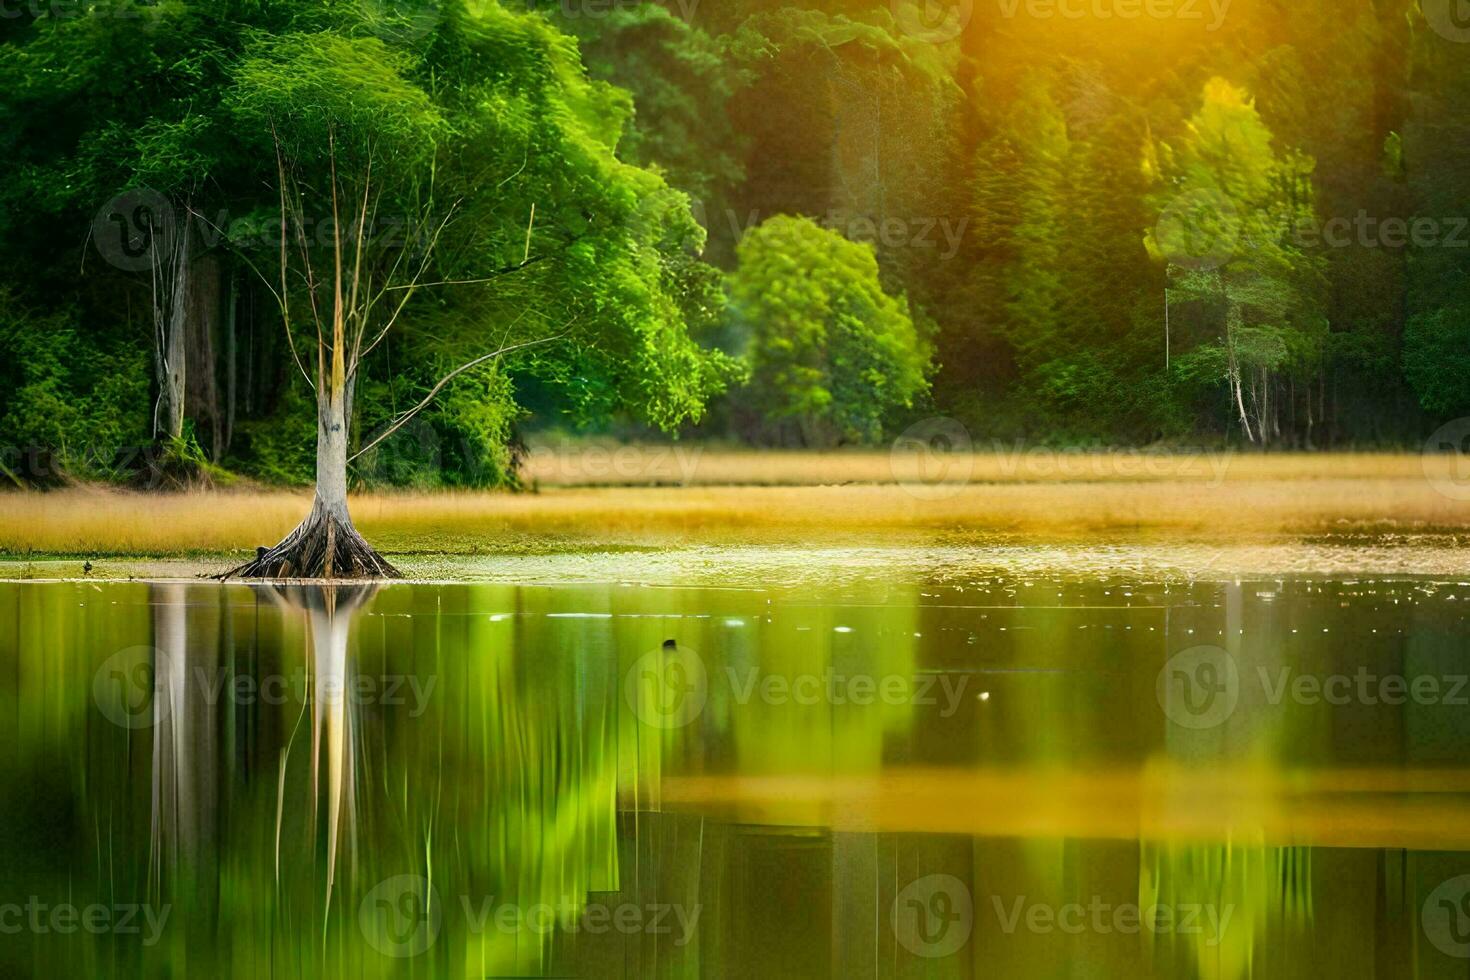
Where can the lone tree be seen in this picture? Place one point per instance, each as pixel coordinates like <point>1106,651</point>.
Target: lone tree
<point>1229,229</point>
<point>832,355</point>
<point>353,304</point>
<point>421,189</point>
<point>357,231</point>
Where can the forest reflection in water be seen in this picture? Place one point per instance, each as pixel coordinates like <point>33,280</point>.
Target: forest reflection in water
<point>1003,777</point>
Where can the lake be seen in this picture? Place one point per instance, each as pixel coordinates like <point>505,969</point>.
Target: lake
<point>900,772</point>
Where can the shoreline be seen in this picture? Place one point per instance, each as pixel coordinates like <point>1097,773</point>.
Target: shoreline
<point>1368,512</point>
<point>877,565</point>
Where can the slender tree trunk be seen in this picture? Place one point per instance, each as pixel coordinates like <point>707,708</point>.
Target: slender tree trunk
<point>1245,419</point>
<point>1233,374</point>
<point>172,363</point>
<point>1292,428</point>
<point>1264,420</point>
<point>333,414</point>
<point>201,390</point>
<point>325,545</point>
<point>1275,408</point>
<point>231,359</point>
<point>1310,420</point>
<point>1232,377</point>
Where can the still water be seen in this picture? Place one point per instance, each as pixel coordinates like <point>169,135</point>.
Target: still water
<point>1004,776</point>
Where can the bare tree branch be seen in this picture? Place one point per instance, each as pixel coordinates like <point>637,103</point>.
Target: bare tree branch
<point>298,216</point>
<point>411,286</point>
<point>357,261</point>
<point>526,262</point>
<point>339,325</point>
<point>530,226</point>
<point>284,300</point>
<point>403,419</point>
<point>496,274</point>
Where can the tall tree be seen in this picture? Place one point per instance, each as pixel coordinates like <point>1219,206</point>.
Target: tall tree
<point>361,132</point>
<point>1231,211</point>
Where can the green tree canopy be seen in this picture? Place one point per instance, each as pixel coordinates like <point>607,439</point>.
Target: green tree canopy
<point>487,158</point>
<point>830,352</point>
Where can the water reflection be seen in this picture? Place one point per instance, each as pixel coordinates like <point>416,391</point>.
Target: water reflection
<point>1014,778</point>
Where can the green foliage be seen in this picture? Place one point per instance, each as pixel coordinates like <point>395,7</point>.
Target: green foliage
<point>681,80</point>
<point>324,91</point>
<point>466,443</point>
<point>478,421</point>
<point>81,400</point>
<point>1056,202</point>
<point>1393,156</point>
<point>1020,195</point>
<point>281,447</point>
<point>829,350</point>
<point>1051,317</point>
<point>1437,360</point>
<point>471,126</point>
<point>613,281</point>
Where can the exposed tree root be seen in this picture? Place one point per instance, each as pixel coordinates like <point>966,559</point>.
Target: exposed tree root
<point>322,547</point>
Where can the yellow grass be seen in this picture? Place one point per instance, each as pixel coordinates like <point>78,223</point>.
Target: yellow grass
<point>1182,499</point>
<point>594,464</point>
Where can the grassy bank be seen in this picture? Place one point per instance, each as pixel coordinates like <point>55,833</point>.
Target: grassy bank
<point>1176,499</point>
<point>589,464</point>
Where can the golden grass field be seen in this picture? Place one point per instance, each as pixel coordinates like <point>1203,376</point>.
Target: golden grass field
<point>795,498</point>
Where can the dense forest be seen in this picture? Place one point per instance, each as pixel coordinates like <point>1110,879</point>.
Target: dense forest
<point>800,225</point>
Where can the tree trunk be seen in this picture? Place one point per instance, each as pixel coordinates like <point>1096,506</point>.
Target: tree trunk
<point>231,362</point>
<point>325,545</point>
<point>1310,420</point>
<point>1233,379</point>
<point>171,353</point>
<point>1263,406</point>
<point>201,388</point>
